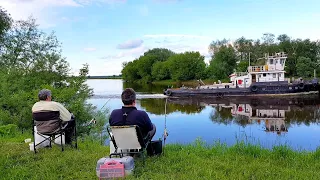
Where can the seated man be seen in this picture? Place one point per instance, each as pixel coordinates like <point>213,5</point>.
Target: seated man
<point>46,104</point>
<point>129,115</point>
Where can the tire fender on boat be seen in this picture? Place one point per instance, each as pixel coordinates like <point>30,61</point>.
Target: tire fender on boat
<point>220,94</point>
<point>314,85</point>
<point>254,88</point>
<point>301,86</point>
<point>169,92</point>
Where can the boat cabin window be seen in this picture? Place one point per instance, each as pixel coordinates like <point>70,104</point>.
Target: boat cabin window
<point>274,75</point>
<point>264,74</point>
<point>271,61</point>
<point>281,61</point>
<point>279,75</point>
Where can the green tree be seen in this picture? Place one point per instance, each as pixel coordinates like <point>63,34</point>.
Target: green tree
<point>187,66</point>
<point>305,67</point>
<point>242,66</point>
<point>31,60</point>
<point>5,21</point>
<point>223,62</point>
<point>141,68</point>
<point>130,71</point>
<point>161,70</point>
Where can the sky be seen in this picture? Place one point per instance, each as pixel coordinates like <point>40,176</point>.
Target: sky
<point>106,33</point>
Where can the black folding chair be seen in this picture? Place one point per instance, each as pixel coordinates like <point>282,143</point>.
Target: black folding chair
<point>51,127</point>
<point>128,138</point>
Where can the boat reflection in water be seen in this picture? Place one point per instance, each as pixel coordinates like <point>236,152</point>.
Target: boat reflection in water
<point>273,119</point>
<point>276,114</point>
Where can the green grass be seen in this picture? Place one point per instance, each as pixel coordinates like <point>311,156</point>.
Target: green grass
<point>193,161</point>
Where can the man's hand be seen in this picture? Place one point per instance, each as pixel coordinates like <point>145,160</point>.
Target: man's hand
<point>72,116</point>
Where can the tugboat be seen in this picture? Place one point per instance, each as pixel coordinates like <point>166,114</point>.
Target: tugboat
<point>268,79</point>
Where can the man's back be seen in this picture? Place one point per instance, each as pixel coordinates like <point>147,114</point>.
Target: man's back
<point>134,117</point>
<point>52,106</point>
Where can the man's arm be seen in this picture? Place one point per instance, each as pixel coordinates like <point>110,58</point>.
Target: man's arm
<point>147,122</point>
<point>65,115</point>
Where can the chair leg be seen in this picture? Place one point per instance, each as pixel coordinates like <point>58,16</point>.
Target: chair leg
<point>34,141</point>
<point>50,144</point>
<point>76,137</point>
<point>61,142</point>
<point>143,158</point>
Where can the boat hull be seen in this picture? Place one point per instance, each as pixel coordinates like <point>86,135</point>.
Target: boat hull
<point>256,89</point>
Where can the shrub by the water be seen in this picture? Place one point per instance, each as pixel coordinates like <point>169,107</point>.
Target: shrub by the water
<point>31,60</point>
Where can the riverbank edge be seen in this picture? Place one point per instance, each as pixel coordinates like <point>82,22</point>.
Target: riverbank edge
<point>197,160</point>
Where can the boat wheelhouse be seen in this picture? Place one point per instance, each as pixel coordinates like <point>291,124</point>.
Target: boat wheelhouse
<point>272,71</point>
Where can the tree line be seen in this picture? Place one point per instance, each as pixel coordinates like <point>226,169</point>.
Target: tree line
<point>226,57</point>
<point>31,60</point>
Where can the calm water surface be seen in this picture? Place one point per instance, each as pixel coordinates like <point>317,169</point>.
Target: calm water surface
<point>264,121</point>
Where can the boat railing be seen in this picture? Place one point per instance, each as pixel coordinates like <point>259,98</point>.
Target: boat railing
<point>241,73</point>
<point>257,68</point>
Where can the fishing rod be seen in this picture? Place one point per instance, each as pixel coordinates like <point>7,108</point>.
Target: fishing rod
<point>165,133</point>
<point>94,118</point>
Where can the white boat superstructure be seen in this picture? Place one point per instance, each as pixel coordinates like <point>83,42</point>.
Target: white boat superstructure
<point>272,71</point>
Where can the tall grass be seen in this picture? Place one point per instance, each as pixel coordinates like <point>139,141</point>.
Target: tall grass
<point>192,161</point>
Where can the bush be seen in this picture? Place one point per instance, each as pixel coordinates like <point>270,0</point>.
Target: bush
<point>8,130</point>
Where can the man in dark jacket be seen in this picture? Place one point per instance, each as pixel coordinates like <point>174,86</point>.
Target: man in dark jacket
<point>129,115</point>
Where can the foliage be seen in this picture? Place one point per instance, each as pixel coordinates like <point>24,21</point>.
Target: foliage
<point>31,60</point>
<point>227,56</point>
<point>8,130</point>
<point>142,68</point>
<point>97,128</point>
<point>187,66</point>
<point>161,71</point>
<point>223,62</point>
<point>242,66</point>
<point>239,161</point>
<point>305,67</point>
<point>5,21</point>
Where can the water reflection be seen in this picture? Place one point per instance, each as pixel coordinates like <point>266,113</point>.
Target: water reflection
<point>157,106</point>
<point>276,113</point>
<point>267,121</point>
<point>144,87</point>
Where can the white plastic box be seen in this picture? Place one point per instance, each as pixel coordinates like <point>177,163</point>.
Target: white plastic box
<point>128,162</point>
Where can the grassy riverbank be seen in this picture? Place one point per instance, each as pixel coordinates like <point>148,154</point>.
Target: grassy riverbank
<point>194,161</point>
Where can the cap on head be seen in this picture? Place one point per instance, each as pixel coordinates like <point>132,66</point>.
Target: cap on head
<point>128,96</point>
<point>44,94</point>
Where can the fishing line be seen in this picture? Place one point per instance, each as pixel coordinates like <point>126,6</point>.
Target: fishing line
<point>94,118</point>
<point>165,133</point>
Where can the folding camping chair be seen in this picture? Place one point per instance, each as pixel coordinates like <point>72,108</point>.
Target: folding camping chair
<point>128,138</point>
<point>45,121</point>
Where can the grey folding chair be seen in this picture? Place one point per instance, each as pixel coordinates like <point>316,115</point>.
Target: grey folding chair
<point>128,139</point>
<point>50,127</point>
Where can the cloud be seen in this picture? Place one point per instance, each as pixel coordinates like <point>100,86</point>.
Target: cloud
<point>45,11</point>
<point>131,44</point>
<point>89,49</point>
<point>174,35</point>
<point>132,53</point>
<point>166,1</point>
<point>110,2</point>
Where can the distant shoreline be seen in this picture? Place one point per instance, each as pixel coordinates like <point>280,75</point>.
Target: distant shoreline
<point>104,77</point>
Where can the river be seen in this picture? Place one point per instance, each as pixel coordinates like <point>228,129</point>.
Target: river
<point>266,121</point>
